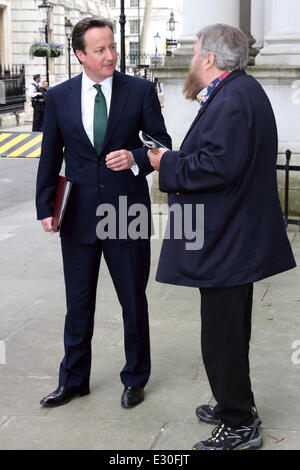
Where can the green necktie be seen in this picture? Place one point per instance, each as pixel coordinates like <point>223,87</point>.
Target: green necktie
<point>100,118</point>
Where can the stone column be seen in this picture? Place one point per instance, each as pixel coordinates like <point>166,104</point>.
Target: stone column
<point>178,112</point>
<point>146,27</point>
<point>257,22</point>
<point>200,13</point>
<point>5,34</point>
<point>282,34</point>
<point>277,68</point>
<point>245,25</point>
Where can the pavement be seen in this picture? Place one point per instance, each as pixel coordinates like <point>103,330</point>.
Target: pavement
<point>32,311</point>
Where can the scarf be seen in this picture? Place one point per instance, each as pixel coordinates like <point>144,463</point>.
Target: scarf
<point>204,94</point>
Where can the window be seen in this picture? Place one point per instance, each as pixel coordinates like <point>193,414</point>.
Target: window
<point>112,3</point>
<point>134,26</point>
<point>133,52</point>
<point>134,3</point>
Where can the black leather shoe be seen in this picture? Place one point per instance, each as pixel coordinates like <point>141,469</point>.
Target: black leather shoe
<point>132,396</point>
<point>63,395</point>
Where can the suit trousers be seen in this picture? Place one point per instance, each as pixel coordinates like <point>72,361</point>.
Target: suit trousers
<point>225,336</point>
<point>129,265</point>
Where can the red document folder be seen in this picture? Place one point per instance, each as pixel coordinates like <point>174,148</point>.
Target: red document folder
<point>61,199</point>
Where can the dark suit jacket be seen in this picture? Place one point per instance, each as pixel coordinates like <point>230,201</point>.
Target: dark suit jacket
<point>227,162</point>
<point>134,107</point>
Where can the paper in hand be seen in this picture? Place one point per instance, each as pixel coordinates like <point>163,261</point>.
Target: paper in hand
<point>151,143</point>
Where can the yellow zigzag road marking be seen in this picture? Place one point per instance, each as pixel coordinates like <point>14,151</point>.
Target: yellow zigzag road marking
<point>35,153</point>
<point>13,142</point>
<point>4,136</point>
<point>26,146</point>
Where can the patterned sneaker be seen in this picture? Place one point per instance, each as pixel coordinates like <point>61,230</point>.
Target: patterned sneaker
<point>232,438</point>
<point>206,414</point>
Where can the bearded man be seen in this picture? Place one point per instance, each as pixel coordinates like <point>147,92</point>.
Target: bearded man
<point>227,163</point>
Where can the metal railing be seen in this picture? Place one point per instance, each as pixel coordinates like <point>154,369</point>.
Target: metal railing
<point>12,88</point>
<point>136,59</point>
<point>287,168</point>
<point>143,65</point>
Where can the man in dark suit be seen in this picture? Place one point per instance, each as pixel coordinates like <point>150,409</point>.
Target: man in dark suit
<point>92,122</point>
<point>227,166</point>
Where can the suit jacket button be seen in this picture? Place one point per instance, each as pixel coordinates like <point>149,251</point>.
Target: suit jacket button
<point>101,186</point>
<point>100,161</point>
<point>177,194</point>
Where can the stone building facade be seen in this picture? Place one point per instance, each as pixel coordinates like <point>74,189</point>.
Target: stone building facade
<point>151,40</point>
<point>21,26</point>
<point>275,28</point>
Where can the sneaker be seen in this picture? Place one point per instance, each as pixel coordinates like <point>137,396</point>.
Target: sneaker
<point>206,414</point>
<point>226,437</point>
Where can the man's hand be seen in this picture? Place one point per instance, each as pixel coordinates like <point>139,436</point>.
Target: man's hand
<point>120,160</point>
<point>156,157</point>
<point>48,225</point>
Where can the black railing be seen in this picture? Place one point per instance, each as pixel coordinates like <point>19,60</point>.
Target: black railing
<point>12,88</point>
<point>287,168</point>
<point>133,59</point>
<point>143,64</point>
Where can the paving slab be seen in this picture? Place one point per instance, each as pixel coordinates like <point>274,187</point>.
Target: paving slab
<point>32,312</point>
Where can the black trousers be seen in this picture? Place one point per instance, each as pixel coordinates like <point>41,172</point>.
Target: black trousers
<point>225,335</point>
<point>38,116</point>
<point>129,265</point>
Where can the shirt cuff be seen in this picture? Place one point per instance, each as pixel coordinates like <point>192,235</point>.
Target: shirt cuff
<point>135,170</point>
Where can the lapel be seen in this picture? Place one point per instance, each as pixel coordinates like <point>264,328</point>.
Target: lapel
<point>120,90</point>
<point>75,107</point>
<point>226,80</point>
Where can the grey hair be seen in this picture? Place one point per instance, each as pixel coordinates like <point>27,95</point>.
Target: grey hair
<point>228,44</point>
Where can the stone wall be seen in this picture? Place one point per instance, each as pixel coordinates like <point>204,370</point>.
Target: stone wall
<point>277,68</point>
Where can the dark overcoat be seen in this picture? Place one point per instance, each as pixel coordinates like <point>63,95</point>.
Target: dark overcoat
<point>227,165</point>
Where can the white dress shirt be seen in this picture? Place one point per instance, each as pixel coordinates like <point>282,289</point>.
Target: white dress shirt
<point>88,94</point>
